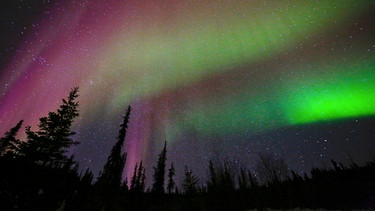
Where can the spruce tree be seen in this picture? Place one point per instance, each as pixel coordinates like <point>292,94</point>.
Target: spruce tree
<point>133,181</point>
<point>9,143</point>
<point>124,186</point>
<point>111,176</point>
<point>271,169</point>
<point>190,181</point>
<point>137,183</point>
<point>159,172</point>
<point>213,177</point>
<point>171,183</point>
<point>49,144</point>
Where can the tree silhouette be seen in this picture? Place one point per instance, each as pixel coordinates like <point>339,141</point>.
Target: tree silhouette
<point>271,169</point>
<point>171,183</point>
<point>137,182</point>
<point>190,181</point>
<point>111,176</point>
<point>109,184</point>
<point>221,179</point>
<point>9,143</point>
<point>159,172</point>
<point>50,143</point>
<point>213,180</point>
<point>242,180</point>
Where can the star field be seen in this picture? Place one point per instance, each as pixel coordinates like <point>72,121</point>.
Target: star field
<point>214,79</point>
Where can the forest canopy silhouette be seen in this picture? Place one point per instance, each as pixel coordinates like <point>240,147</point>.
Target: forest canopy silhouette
<point>38,174</point>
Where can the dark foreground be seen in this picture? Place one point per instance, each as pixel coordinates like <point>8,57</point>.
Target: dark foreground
<point>27,186</point>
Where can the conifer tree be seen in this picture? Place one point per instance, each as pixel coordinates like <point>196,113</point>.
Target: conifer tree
<point>213,180</point>
<point>137,183</point>
<point>242,180</point>
<point>124,185</point>
<point>111,176</point>
<point>271,168</point>
<point>221,178</point>
<point>159,172</point>
<point>171,183</point>
<point>133,181</point>
<point>141,178</point>
<point>50,143</point>
<point>226,179</point>
<point>253,181</point>
<point>9,143</point>
<point>190,181</point>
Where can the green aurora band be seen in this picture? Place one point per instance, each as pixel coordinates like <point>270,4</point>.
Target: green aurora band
<point>344,91</point>
<point>349,92</point>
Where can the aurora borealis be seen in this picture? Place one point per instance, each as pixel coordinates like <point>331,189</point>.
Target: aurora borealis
<point>208,77</point>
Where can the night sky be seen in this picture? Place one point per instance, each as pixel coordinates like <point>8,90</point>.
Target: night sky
<point>215,79</point>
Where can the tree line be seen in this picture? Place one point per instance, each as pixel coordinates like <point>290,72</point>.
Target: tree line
<point>37,174</point>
